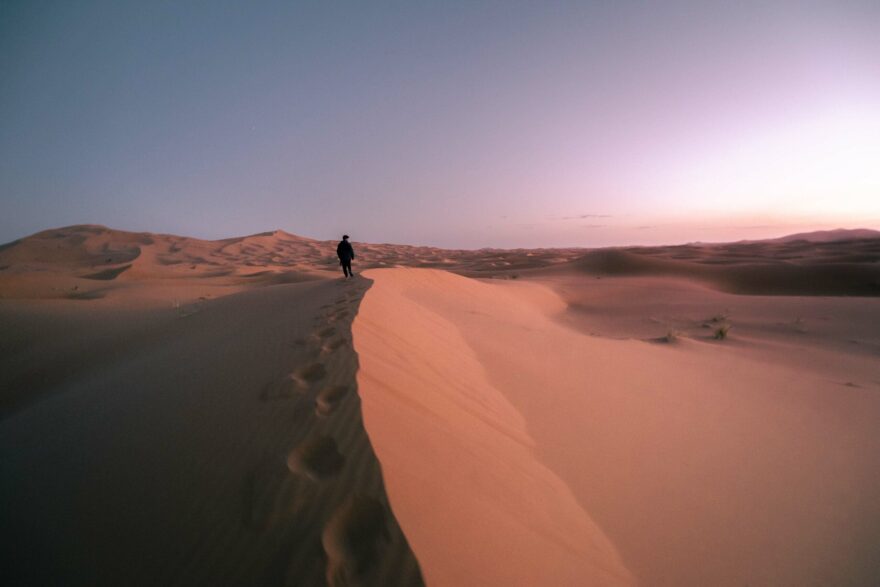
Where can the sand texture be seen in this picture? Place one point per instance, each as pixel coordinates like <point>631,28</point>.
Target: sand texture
<point>176,411</point>
<point>691,462</point>
<point>189,441</point>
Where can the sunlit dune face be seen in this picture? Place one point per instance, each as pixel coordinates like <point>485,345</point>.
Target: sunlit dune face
<point>819,166</point>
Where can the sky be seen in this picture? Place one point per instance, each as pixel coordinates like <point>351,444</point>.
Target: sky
<point>456,124</point>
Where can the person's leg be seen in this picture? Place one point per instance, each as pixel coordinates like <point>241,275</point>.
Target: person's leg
<point>346,268</point>
<point>350,272</point>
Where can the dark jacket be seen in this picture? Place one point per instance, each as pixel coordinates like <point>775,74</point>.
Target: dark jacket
<point>344,252</point>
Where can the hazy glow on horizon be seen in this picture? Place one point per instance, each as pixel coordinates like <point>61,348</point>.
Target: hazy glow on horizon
<point>821,165</point>
<point>455,124</point>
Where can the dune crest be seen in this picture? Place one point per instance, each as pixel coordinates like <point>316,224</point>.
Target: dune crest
<point>783,267</point>
<point>476,504</point>
<point>507,436</point>
<point>223,444</point>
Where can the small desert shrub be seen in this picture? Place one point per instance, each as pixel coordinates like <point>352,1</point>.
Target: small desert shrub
<point>514,276</point>
<point>721,331</point>
<point>671,336</point>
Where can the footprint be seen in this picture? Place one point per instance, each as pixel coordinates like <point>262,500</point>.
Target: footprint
<point>329,398</point>
<point>327,332</point>
<point>333,345</point>
<point>309,374</point>
<point>340,315</point>
<point>317,458</point>
<point>353,538</point>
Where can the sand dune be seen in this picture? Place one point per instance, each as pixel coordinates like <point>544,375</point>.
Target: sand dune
<point>835,235</point>
<point>478,505</point>
<point>142,445</point>
<point>791,268</point>
<point>699,464</point>
<point>71,261</point>
<point>93,262</point>
<point>90,262</point>
<point>180,411</point>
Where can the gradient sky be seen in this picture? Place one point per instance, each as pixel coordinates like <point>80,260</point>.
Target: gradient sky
<point>459,124</point>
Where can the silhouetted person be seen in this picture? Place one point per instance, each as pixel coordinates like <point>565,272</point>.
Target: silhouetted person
<point>345,254</point>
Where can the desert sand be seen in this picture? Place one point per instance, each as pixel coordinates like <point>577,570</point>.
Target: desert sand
<point>178,411</point>
<point>179,423</point>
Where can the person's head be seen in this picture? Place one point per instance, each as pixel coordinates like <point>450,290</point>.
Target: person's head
<point>345,237</point>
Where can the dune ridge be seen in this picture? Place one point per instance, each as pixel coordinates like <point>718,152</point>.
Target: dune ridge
<point>798,267</point>
<point>144,445</point>
<point>475,503</point>
<point>89,262</point>
<point>700,464</point>
<point>92,262</point>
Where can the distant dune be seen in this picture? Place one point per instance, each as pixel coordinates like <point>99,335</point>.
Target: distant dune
<point>177,411</point>
<point>838,234</point>
<point>798,269</point>
<point>90,262</point>
<point>778,267</point>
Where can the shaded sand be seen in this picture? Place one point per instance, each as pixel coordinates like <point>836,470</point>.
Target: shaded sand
<point>510,436</point>
<point>143,446</point>
<point>783,267</point>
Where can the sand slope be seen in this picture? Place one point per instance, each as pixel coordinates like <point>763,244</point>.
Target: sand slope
<point>221,446</point>
<point>477,505</point>
<point>698,465</point>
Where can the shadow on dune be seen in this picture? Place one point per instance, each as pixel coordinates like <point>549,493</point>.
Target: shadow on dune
<point>157,458</point>
<point>758,271</point>
<point>108,274</point>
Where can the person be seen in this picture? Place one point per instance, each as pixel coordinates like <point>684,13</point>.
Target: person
<point>345,254</point>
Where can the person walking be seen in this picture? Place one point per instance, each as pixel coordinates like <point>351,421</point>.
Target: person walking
<point>345,254</point>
